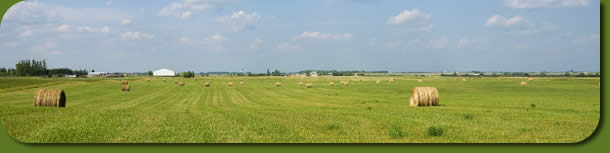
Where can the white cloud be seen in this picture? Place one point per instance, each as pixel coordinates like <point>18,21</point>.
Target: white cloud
<point>239,20</point>
<point>288,47</point>
<point>63,28</point>
<point>406,16</point>
<point>528,4</point>
<point>256,43</point>
<point>25,34</point>
<point>104,29</point>
<point>324,36</point>
<point>47,48</point>
<point>501,21</point>
<point>35,12</point>
<point>441,43</point>
<point>185,9</point>
<point>125,21</point>
<point>216,37</point>
<point>135,36</point>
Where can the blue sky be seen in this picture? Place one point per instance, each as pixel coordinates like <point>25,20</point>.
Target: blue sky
<point>228,35</point>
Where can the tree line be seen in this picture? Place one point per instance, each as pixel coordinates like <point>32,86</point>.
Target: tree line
<point>38,68</point>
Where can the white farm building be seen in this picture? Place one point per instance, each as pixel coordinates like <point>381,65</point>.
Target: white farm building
<point>164,73</point>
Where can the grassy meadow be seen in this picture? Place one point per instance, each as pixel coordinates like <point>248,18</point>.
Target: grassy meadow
<point>480,110</point>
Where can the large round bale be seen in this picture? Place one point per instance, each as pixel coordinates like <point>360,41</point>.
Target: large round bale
<point>124,82</point>
<point>48,97</point>
<point>300,83</point>
<point>195,79</point>
<point>277,84</point>
<point>424,96</point>
<point>124,87</point>
<point>181,83</point>
<point>242,83</point>
<point>523,83</point>
<point>308,85</point>
<point>207,84</point>
<point>331,84</point>
<point>230,84</point>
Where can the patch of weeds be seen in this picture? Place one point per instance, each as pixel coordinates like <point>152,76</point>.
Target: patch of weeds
<point>334,126</point>
<point>468,116</point>
<point>396,132</point>
<point>556,124</point>
<point>436,131</point>
<point>369,108</point>
<point>533,105</point>
<point>524,129</point>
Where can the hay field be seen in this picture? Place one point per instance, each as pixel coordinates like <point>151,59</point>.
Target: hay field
<point>474,111</point>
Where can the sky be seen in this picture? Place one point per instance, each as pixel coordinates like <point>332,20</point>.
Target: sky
<point>253,36</point>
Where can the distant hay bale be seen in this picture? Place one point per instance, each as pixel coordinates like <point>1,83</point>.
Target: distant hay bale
<point>464,79</point>
<point>124,87</point>
<point>164,80</point>
<point>530,79</point>
<point>147,80</point>
<point>420,80</point>
<point>124,82</point>
<point>523,83</point>
<point>300,83</point>
<point>277,84</point>
<point>308,85</point>
<point>181,83</point>
<point>48,97</point>
<point>207,84</point>
<point>378,81</point>
<point>424,96</point>
<point>391,80</point>
<point>230,84</point>
<point>242,83</point>
<point>175,82</point>
<point>195,79</point>
<point>345,83</point>
<point>331,84</point>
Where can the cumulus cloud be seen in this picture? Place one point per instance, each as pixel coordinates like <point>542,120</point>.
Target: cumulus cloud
<point>528,4</point>
<point>125,21</point>
<point>324,36</point>
<point>135,36</point>
<point>239,20</point>
<point>104,29</point>
<point>255,43</point>
<point>63,28</point>
<point>35,12</point>
<point>185,9</point>
<point>413,19</point>
<point>501,21</point>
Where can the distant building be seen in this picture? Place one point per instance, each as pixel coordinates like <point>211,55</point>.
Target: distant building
<point>313,74</point>
<point>71,76</point>
<point>164,73</point>
<point>94,74</point>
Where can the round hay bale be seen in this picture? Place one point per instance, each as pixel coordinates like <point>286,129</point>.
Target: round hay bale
<point>181,83</point>
<point>164,80</point>
<point>523,83</point>
<point>207,84</point>
<point>420,80</point>
<point>241,83</point>
<point>345,83</point>
<point>175,82</point>
<point>195,79</point>
<point>530,79</point>
<point>308,85</point>
<point>230,84</point>
<point>424,96</point>
<point>331,84</point>
<point>124,87</point>
<point>391,80</point>
<point>277,84</point>
<point>378,81</point>
<point>124,82</point>
<point>300,83</point>
<point>48,97</point>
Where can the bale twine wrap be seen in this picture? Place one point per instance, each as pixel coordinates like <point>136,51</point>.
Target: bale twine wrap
<point>241,83</point>
<point>300,83</point>
<point>48,97</point>
<point>277,84</point>
<point>124,82</point>
<point>124,87</point>
<point>207,84</point>
<point>181,83</point>
<point>308,85</point>
<point>331,84</point>
<point>523,83</point>
<point>230,84</point>
<point>424,96</point>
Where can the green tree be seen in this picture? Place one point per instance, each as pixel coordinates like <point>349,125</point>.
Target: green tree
<point>276,73</point>
<point>150,73</point>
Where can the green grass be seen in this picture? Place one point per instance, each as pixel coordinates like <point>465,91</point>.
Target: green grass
<point>566,110</point>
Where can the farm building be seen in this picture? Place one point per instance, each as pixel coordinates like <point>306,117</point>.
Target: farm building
<point>164,73</point>
<point>93,74</point>
<point>313,74</point>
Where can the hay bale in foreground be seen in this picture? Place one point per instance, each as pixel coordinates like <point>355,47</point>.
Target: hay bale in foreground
<point>48,97</point>
<point>277,84</point>
<point>523,83</point>
<point>424,96</point>
<point>242,83</point>
<point>181,83</point>
<point>308,85</point>
<point>124,87</point>
<point>230,84</point>
<point>124,82</point>
<point>331,84</point>
<point>207,84</point>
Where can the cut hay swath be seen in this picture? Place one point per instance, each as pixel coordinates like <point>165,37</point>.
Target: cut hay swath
<point>300,83</point>
<point>124,82</point>
<point>530,79</point>
<point>331,84</point>
<point>523,83</point>
<point>424,96</point>
<point>207,84</point>
<point>277,84</point>
<point>124,87</point>
<point>181,83</point>
<point>308,85</point>
<point>420,80</point>
<point>242,83</point>
<point>48,97</point>
<point>230,84</point>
